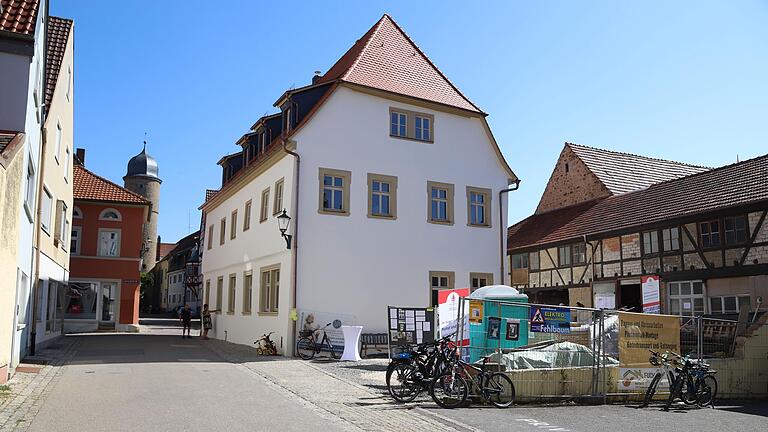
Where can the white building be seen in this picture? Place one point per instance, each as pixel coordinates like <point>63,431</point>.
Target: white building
<point>392,178</point>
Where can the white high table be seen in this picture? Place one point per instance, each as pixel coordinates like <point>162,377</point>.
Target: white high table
<point>351,341</point>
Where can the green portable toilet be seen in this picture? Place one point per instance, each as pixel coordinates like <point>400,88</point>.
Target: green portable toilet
<point>500,321</point>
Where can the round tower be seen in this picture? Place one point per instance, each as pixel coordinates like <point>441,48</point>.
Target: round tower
<point>142,178</point>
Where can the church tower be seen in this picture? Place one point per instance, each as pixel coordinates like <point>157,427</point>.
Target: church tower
<point>142,178</point>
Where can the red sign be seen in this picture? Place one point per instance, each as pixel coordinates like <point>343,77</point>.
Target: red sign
<point>442,295</point>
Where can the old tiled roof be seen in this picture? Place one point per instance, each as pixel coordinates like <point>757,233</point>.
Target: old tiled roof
<point>385,58</point>
<point>210,193</point>
<point>19,16</point>
<point>624,172</point>
<point>6,137</point>
<point>58,35</point>
<point>733,185</point>
<point>88,186</point>
<point>165,249</point>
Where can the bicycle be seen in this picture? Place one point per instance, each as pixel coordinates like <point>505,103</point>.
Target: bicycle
<point>663,361</point>
<point>265,345</point>
<point>698,380</point>
<point>307,346</point>
<point>414,370</point>
<point>451,389</point>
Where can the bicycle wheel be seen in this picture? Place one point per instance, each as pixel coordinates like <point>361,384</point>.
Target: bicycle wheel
<point>674,390</point>
<point>401,383</point>
<point>259,351</point>
<point>305,348</point>
<point>689,390</point>
<point>707,391</point>
<point>499,390</point>
<point>335,354</point>
<point>651,390</point>
<point>449,390</point>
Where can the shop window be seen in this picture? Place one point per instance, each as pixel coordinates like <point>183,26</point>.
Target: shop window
<point>686,298</point>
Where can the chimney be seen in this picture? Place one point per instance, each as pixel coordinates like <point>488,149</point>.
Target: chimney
<point>80,155</point>
<point>157,249</point>
<point>316,77</point>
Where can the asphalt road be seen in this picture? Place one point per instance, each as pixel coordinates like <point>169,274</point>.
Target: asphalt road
<point>165,383</point>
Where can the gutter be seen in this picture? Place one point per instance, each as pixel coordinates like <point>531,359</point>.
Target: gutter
<point>503,229</point>
<point>43,117</point>
<point>294,252</point>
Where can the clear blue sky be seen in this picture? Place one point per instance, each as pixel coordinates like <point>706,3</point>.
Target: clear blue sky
<point>679,80</point>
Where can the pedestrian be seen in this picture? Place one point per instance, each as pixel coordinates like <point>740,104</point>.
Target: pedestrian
<point>207,323</point>
<point>185,316</point>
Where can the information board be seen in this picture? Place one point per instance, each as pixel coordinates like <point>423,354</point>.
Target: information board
<point>410,326</point>
<point>550,319</point>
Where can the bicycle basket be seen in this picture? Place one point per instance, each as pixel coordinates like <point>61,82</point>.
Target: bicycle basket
<point>305,333</point>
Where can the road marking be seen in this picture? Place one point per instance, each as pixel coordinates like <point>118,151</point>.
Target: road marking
<point>543,425</point>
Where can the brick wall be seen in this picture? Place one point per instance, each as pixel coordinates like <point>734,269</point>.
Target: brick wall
<point>630,246</point>
<point>570,186</point>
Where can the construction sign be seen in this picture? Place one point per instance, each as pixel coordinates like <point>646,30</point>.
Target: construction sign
<point>639,333</point>
<point>550,319</point>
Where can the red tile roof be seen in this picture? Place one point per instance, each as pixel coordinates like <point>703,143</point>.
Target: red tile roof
<point>733,185</point>
<point>385,58</point>
<point>58,35</point>
<point>6,137</point>
<point>624,172</point>
<point>19,16</point>
<point>90,187</point>
<point>165,249</point>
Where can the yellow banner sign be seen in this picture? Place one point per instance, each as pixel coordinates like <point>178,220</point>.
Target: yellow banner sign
<point>476,311</point>
<point>639,333</point>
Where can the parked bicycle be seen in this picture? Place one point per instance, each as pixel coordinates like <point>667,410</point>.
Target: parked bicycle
<point>452,388</point>
<point>694,383</point>
<point>412,371</point>
<point>667,365</point>
<point>265,345</point>
<point>307,346</point>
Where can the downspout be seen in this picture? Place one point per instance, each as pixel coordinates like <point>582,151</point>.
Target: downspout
<point>503,230</point>
<point>295,246</point>
<point>38,213</point>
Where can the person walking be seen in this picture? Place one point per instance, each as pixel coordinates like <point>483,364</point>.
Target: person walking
<point>207,322</point>
<point>185,316</point>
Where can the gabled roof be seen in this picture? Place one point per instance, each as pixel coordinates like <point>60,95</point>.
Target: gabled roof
<point>209,193</point>
<point>90,187</point>
<point>58,34</point>
<point>19,16</point>
<point>624,172</point>
<point>385,58</point>
<point>165,248</point>
<point>735,185</point>
<point>6,137</point>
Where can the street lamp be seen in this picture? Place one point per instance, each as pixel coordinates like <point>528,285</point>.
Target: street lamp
<point>283,220</point>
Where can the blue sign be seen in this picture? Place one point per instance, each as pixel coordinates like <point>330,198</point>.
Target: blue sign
<point>550,319</point>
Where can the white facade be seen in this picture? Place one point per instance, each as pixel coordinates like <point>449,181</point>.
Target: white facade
<point>354,265</point>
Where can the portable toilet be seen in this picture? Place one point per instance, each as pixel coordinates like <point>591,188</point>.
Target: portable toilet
<point>494,325</point>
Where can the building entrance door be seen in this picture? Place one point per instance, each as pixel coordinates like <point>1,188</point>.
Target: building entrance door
<point>631,297</point>
<point>107,302</point>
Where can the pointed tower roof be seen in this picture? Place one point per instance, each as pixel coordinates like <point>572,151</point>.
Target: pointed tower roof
<point>385,58</point>
<point>143,165</point>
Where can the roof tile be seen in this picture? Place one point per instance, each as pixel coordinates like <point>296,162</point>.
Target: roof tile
<point>19,16</point>
<point>91,187</point>
<point>58,34</point>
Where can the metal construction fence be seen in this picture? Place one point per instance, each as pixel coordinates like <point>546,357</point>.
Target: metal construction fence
<point>565,352</point>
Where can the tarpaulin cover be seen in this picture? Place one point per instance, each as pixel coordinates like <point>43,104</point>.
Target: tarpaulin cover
<point>551,355</point>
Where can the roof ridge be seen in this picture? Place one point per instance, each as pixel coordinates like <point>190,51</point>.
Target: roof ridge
<point>408,38</point>
<point>570,144</point>
<point>112,183</point>
<point>376,27</point>
<point>711,170</point>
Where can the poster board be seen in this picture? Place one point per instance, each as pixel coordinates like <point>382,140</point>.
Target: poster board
<point>651,299</point>
<point>639,333</point>
<point>409,326</point>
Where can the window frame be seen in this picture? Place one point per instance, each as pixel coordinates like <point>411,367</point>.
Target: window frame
<point>219,292</point>
<point>449,187</point>
<point>709,233</point>
<point>77,213</point>
<point>119,242</point>
<point>530,260</point>
<point>277,202</point>
<point>573,254</point>
<point>231,293</point>
<point>222,231</point>
<point>398,126</point>
<point>233,225</point>
<point>29,191</point>
<point>207,293</point>
<point>264,209</point>
<point>346,177</point>
<point>57,142</point>
<point>410,125</point>
<point>392,182</point>
<point>269,291</point>
<point>680,298</point>
<point>102,215</point>
<point>725,230</point>
<point>46,211</point>
<point>486,205</point>
<point>210,237</point>
<point>433,289</point>
<point>721,300</point>
<point>663,246</point>
<point>247,215</point>
<point>569,255</point>
<point>75,250</point>
<point>523,259</point>
<point>418,131</point>
<point>652,235</point>
<point>479,276</point>
<point>247,292</point>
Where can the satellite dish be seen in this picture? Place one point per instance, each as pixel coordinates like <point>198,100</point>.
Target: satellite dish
<point>336,323</point>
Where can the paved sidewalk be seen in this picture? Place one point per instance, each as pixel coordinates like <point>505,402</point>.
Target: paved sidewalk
<point>28,390</point>
<point>366,410</point>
